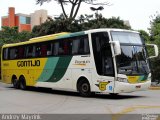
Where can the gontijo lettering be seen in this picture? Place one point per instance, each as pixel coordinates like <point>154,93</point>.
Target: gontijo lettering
<point>28,63</point>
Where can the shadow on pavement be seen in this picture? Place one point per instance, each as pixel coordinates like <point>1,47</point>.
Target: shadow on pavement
<point>75,94</point>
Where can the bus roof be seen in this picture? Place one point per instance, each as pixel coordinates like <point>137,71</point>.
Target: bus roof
<point>64,35</point>
<point>52,36</point>
<point>109,30</point>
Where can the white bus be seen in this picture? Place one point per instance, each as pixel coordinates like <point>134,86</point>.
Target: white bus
<point>99,60</point>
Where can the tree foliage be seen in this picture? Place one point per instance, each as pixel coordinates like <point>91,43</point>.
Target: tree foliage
<point>155,39</point>
<point>84,22</point>
<point>144,35</point>
<point>11,35</point>
<point>75,5</point>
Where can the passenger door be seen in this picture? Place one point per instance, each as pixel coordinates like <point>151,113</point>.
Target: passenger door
<point>103,62</point>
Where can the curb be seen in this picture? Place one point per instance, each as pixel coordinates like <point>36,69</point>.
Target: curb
<point>154,88</point>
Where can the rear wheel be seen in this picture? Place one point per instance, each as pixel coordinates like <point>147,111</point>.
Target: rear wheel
<point>22,83</point>
<point>15,82</point>
<point>84,88</point>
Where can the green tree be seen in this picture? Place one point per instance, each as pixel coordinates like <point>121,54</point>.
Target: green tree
<point>75,5</point>
<point>155,39</point>
<point>98,21</point>
<point>85,22</point>
<point>144,35</point>
<point>8,35</point>
<point>24,36</point>
<point>11,35</point>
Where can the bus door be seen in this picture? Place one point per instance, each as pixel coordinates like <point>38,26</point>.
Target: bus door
<point>104,79</point>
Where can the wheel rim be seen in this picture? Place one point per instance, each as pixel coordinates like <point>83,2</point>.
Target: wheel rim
<point>85,87</point>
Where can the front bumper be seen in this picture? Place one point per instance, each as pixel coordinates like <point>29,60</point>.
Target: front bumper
<point>121,87</point>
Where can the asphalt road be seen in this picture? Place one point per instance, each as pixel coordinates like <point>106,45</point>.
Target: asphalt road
<point>47,101</point>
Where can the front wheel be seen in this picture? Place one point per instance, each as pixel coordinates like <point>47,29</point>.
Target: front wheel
<point>84,89</point>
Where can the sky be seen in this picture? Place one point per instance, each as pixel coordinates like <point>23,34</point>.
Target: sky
<point>138,12</point>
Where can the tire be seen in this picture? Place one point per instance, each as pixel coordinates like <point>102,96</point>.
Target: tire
<point>22,83</point>
<point>15,83</point>
<point>84,88</point>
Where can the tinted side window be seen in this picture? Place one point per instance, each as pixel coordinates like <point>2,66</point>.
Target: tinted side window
<point>69,46</point>
<point>75,46</point>
<point>80,46</point>
<point>38,50</point>
<point>62,47</point>
<point>5,53</point>
<point>55,48</point>
<point>21,52</point>
<point>13,53</point>
<point>49,49</point>
<point>30,51</point>
<point>43,50</point>
<point>102,54</point>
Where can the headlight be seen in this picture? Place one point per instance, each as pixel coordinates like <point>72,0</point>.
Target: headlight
<point>122,80</point>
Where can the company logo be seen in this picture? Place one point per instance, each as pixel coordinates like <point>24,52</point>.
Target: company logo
<point>84,62</point>
<point>102,85</point>
<point>28,63</point>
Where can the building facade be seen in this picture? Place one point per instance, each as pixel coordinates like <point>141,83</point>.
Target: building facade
<point>22,21</point>
<point>38,17</point>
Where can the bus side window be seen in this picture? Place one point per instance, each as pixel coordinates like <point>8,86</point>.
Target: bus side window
<point>38,51</point>
<point>61,48</point>
<point>80,46</point>
<point>20,52</point>
<point>30,51</point>
<point>55,48</point>
<point>84,46</point>
<point>13,52</point>
<point>75,46</point>
<point>5,54</point>
<point>43,50</point>
<point>49,49</point>
<point>67,46</point>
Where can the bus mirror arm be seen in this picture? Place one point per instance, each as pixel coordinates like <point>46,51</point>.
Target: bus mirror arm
<point>155,50</point>
<point>116,47</point>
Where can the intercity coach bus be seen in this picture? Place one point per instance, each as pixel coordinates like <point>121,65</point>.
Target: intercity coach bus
<point>93,61</point>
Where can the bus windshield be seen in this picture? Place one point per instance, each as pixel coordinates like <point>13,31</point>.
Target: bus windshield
<point>133,58</point>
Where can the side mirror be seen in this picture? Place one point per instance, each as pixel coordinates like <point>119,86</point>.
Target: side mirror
<point>155,50</point>
<point>116,47</point>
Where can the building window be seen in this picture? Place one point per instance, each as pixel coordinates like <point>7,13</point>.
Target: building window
<point>24,20</point>
<point>28,20</point>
